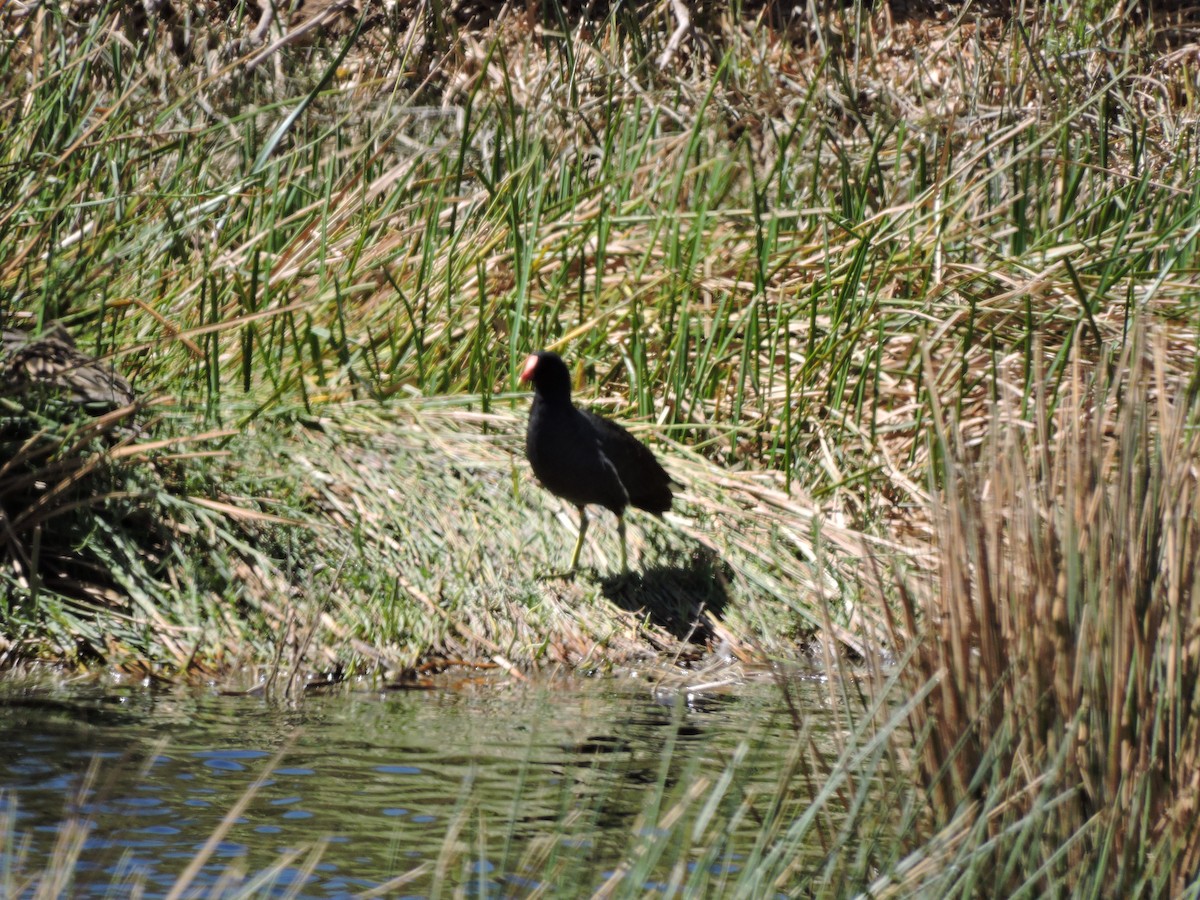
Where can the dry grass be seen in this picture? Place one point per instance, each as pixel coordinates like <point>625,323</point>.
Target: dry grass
<point>908,304</point>
<point>1060,630</point>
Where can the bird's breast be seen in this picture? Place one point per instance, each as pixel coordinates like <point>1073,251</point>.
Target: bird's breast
<point>564,453</point>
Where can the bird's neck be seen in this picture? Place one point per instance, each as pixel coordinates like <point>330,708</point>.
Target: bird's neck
<point>554,400</point>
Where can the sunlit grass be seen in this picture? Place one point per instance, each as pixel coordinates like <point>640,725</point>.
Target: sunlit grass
<point>739,253</point>
<point>1060,627</point>
<point>867,287</point>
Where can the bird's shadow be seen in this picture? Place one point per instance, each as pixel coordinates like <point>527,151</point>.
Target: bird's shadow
<point>677,594</point>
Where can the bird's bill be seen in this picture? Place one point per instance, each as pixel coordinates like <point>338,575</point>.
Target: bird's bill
<point>530,364</point>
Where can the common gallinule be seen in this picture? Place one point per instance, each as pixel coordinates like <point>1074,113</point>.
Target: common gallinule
<point>585,458</point>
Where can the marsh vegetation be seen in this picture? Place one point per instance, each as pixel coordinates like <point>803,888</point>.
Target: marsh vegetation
<point>907,301</point>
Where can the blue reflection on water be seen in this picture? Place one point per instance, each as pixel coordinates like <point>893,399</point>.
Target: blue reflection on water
<point>387,778</point>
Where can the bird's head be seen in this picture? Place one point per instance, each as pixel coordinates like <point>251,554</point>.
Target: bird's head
<point>548,373</point>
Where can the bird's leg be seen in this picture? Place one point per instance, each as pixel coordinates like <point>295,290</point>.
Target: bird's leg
<point>621,532</point>
<point>583,525</point>
<point>622,581</point>
<point>570,573</point>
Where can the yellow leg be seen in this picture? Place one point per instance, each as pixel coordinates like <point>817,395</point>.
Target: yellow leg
<point>621,532</point>
<point>583,525</point>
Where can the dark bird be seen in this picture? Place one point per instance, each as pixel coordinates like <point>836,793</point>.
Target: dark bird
<point>584,458</point>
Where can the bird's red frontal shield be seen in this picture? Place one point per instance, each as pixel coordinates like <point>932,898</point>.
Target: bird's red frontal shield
<point>530,364</point>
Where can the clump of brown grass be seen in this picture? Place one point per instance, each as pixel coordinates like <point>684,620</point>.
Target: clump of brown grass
<point>95,516</point>
<point>65,423</point>
<point>1060,627</point>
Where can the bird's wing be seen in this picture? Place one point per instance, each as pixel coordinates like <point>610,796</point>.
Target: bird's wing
<point>646,482</point>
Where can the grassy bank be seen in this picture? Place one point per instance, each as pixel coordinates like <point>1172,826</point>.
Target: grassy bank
<point>908,305</point>
<point>326,257</point>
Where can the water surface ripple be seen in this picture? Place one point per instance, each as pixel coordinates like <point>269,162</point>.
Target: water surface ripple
<point>472,783</point>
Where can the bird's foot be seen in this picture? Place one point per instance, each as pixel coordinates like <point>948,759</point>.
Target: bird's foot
<point>568,575</point>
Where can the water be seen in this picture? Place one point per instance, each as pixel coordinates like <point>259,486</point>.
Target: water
<point>494,790</point>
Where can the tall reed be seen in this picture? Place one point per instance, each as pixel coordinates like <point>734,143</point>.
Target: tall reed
<point>1060,629</point>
